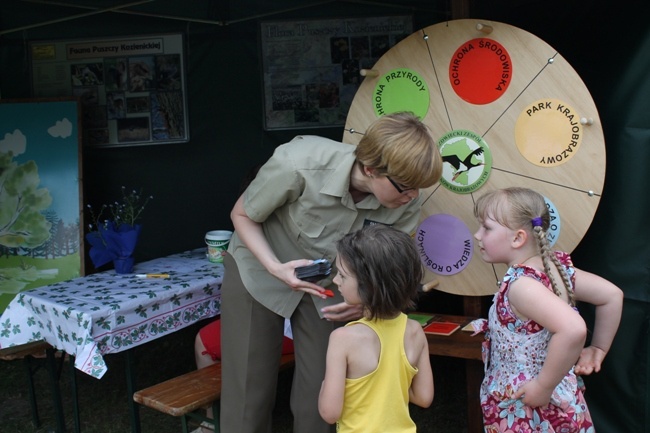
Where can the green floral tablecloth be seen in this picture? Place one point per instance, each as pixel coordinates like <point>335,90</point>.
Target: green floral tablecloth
<point>103,313</point>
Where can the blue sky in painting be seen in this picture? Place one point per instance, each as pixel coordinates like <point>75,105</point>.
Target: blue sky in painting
<point>56,155</point>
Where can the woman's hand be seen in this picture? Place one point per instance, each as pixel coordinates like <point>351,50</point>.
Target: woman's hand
<point>286,272</point>
<point>342,312</point>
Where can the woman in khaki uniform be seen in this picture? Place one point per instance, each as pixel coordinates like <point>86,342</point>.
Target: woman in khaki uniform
<point>308,195</point>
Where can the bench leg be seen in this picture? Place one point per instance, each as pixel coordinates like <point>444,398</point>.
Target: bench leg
<point>184,424</point>
<point>216,407</point>
<point>32,394</point>
<point>201,417</point>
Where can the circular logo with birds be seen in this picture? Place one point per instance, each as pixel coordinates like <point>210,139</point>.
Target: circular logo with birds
<point>467,161</point>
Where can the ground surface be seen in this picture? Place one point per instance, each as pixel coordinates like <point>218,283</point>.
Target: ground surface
<point>103,407</point>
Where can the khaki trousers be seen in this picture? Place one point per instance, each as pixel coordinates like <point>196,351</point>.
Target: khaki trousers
<point>251,341</point>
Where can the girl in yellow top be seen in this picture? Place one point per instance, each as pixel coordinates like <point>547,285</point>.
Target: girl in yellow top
<point>380,363</point>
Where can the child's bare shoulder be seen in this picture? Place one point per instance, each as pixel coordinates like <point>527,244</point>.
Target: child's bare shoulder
<point>353,332</point>
<point>413,324</point>
<point>413,329</point>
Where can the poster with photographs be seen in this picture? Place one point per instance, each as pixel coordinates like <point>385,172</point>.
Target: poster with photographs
<point>312,67</point>
<point>132,90</point>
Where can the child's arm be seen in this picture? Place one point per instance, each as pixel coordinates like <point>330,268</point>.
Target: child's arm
<point>608,300</point>
<point>422,388</point>
<point>534,301</point>
<point>330,400</point>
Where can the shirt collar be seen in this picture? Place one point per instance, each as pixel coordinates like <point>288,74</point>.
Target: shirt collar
<point>338,185</point>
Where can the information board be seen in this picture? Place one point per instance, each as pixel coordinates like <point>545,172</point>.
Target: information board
<point>312,67</point>
<point>132,89</point>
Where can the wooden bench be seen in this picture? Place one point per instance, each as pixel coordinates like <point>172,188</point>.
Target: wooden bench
<point>36,348</point>
<point>184,395</point>
<point>28,353</point>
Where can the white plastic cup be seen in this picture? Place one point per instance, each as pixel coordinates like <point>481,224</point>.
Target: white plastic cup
<point>217,242</point>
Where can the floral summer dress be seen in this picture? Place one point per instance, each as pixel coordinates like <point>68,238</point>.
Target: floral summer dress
<point>514,352</point>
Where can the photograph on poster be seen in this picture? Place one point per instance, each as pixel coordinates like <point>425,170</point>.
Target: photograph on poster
<point>88,96</point>
<point>132,89</point>
<point>133,129</point>
<point>87,74</point>
<point>137,104</point>
<point>115,74</point>
<point>141,70</point>
<point>167,115</point>
<point>115,105</point>
<point>168,72</point>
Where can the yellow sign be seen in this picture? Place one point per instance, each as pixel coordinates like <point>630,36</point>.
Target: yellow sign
<point>43,52</point>
<point>548,132</point>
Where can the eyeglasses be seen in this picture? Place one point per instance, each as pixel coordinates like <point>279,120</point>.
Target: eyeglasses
<point>401,189</point>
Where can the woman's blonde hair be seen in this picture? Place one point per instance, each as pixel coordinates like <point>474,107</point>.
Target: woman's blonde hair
<point>522,208</point>
<point>399,145</point>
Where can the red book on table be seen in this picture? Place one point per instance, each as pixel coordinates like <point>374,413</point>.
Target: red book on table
<point>441,328</point>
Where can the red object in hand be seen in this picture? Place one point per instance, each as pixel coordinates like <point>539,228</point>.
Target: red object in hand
<point>328,293</point>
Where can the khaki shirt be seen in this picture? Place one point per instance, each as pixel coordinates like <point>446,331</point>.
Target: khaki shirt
<point>301,197</point>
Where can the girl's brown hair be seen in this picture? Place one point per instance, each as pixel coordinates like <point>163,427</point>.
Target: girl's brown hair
<point>387,267</point>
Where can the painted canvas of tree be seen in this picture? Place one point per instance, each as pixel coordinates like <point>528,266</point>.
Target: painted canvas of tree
<point>40,218</point>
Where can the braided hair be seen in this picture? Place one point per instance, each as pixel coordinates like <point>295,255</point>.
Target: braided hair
<point>523,208</point>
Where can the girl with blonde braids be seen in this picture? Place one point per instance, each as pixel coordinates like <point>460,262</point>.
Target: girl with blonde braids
<point>535,338</point>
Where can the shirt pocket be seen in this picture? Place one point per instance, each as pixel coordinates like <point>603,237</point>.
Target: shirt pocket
<point>305,227</point>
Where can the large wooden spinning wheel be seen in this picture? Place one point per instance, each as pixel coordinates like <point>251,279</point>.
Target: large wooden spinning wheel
<point>508,110</point>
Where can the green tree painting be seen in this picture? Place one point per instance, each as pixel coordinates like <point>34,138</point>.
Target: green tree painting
<point>40,239</point>
<point>22,222</point>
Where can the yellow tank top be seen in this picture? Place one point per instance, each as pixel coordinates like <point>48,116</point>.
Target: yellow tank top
<point>379,401</point>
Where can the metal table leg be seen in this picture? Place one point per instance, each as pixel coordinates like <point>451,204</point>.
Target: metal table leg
<point>32,394</point>
<point>56,391</point>
<point>75,395</point>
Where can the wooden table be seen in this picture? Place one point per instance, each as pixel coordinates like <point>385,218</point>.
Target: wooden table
<point>462,345</point>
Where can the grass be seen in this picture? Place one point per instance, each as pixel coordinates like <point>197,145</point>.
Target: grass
<point>103,407</point>
<point>19,273</point>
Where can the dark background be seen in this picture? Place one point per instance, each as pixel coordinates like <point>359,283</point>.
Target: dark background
<point>195,184</point>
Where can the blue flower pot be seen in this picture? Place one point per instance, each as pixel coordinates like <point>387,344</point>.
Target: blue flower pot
<point>124,265</point>
<point>114,243</point>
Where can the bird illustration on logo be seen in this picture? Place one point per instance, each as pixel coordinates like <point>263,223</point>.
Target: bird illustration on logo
<point>462,152</point>
<point>464,165</point>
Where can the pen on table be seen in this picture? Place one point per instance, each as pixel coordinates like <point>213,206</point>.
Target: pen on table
<point>152,275</point>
